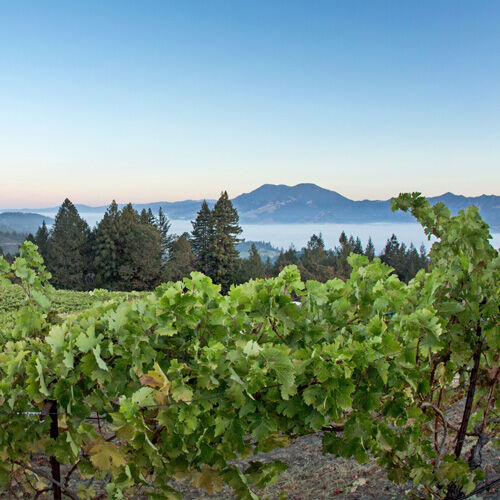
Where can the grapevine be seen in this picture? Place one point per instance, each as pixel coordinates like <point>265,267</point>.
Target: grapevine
<point>180,382</point>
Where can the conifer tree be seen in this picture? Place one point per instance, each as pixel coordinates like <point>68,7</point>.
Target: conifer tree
<point>140,252</point>
<point>370,249</point>
<point>223,255</point>
<point>144,216</point>
<point>252,267</point>
<point>106,248</point>
<point>42,241</point>
<point>287,258</point>
<point>342,267</point>
<point>357,248</point>
<point>163,225</point>
<point>127,250</point>
<point>67,258</point>
<point>181,260</point>
<point>313,261</point>
<point>201,238</point>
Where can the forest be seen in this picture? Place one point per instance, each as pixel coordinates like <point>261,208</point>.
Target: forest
<point>128,250</point>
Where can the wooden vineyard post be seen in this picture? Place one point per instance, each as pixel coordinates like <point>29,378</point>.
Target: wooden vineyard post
<point>54,464</point>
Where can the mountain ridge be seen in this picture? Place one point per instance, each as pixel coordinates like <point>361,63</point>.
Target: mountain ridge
<point>308,203</point>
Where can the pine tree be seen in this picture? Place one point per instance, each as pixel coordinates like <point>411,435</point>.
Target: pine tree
<point>139,251</point>
<point>342,267</point>
<point>127,250</point>
<point>106,249</point>
<point>423,258</point>
<point>42,241</point>
<point>370,249</point>
<point>223,256</point>
<point>252,267</point>
<point>287,258</point>
<point>201,238</point>
<point>268,268</point>
<point>357,247</point>
<point>67,258</point>
<point>313,261</point>
<point>144,216</point>
<point>181,260</point>
<point>163,225</point>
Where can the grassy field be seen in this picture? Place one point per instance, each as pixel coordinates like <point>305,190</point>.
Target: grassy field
<point>64,301</point>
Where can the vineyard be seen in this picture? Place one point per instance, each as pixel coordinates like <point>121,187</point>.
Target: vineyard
<point>134,393</point>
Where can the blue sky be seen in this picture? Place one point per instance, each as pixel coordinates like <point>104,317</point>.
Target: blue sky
<point>148,101</point>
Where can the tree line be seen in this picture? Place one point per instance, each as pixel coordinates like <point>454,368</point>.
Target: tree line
<point>131,250</point>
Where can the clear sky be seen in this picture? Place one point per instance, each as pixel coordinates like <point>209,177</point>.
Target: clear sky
<point>162,100</point>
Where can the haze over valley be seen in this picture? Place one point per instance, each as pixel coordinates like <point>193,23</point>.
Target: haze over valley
<point>285,215</point>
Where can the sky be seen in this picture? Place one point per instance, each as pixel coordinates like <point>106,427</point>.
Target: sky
<point>163,100</point>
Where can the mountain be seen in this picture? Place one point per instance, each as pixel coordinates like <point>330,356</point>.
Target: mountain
<point>22,222</point>
<point>306,203</point>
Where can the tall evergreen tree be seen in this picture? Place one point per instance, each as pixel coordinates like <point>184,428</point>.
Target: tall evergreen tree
<point>106,249</point>
<point>181,260</point>
<point>127,250</point>
<point>370,249</point>
<point>201,238</point>
<point>286,258</point>
<point>144,216</point>
<point>357,247</point>
<point>67,258</point>
<point>223,255</point>
<point>313,261</point>
<point>42,241</point>
<point>252,267</point>
<point>342,267</point>
<point>140,251</point>
<point>406,262</point>
<point>163,225</point>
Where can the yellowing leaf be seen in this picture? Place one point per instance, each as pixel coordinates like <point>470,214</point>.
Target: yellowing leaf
<point>209,479</point>
<point>104,455</point>
<point>182,393</point>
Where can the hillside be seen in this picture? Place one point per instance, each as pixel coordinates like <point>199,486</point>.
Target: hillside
<point>22,222</point>
<point>10,241</point>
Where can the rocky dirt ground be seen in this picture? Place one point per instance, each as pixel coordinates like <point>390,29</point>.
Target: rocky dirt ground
<point>314,476</point>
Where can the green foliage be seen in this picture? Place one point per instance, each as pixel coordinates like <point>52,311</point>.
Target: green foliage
<point>189,379</point>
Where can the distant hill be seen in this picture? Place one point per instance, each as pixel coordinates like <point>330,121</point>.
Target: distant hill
<point>308,203</point>
<point>10,241</point>
<point>264,248</point>
<point>22,222</point>
<point>183,210</point>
